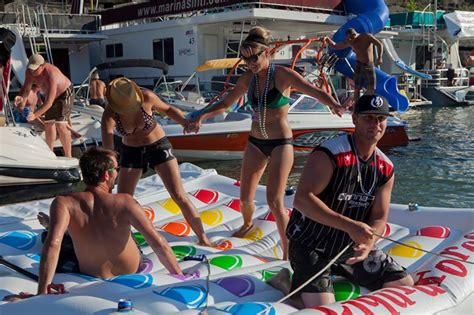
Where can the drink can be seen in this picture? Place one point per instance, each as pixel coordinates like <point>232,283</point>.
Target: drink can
<point>124,305</point>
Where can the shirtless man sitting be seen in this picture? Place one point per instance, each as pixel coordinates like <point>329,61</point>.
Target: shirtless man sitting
<point>99,224</point>
<point>97,90</point>
<point>58,103</point>
<point>363,45</point>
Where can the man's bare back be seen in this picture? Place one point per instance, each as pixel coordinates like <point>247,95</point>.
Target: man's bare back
<point>100,227</point>
<point>97,89</point>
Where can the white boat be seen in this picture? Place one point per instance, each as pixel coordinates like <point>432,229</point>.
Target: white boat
<point>27,165</point>
<point>239,267</point>
<point>224,137</point>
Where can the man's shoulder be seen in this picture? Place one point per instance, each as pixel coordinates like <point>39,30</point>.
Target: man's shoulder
<point>337,144</point>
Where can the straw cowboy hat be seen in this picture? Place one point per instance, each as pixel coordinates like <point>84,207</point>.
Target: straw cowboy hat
<point>124,96</point>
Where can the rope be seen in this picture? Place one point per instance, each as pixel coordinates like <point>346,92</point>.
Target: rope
<point>342,252</point>
<point>424,250</point>
<point>309,280</point>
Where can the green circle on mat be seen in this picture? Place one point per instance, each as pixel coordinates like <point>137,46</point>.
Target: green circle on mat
<point>345,290</point>
<point>230,262</point>
<point>181,251</point>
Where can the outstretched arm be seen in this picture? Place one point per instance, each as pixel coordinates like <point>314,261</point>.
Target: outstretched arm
<point>164,108</point>
<point>333,44</point>
<point>233,96</point>
<point>59,221</point>
<point>107,128</point>
<point>159,244</point>
<point>314,179</point>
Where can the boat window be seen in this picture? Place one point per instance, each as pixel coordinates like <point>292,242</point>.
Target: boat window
<point>163,50</point>
<point>308,104</point>
<point>113,50</point>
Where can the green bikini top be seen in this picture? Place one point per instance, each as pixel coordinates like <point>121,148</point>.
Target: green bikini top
<point>275,98</point>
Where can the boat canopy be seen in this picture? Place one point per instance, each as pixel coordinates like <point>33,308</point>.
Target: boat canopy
<point>216,64</point>
<point>134,63</point>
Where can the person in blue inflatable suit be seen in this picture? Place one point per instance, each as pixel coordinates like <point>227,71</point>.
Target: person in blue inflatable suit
<point>363,46</point>
<point>99,225</point>
<point>343,199</point>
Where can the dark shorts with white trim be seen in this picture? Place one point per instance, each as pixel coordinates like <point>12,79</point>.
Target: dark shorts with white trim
<point>371,273</point>
<point>147,155</point>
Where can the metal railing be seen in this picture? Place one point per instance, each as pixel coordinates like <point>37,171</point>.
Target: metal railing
<point>440,78</point>
<point>56,22</point>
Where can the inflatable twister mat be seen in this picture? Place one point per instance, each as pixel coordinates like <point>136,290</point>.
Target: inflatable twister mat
<point>234,279</point>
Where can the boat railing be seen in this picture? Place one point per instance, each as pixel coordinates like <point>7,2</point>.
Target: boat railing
<point>440,77</point>
<point>51,22</point>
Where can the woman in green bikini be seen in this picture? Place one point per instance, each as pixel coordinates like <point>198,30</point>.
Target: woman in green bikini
<point>270,140</point>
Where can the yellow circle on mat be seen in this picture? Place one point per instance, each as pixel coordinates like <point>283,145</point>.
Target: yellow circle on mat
<point>170,205</point>
<point>211,217</point>
<point>254,234</point>
<point>407,252</point>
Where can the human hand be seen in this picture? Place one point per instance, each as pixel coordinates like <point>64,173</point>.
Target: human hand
<point>31,116</point>
<point>361,252</point>
<point>338,109</point>
<point>18,102</point>
<point>17,297</point>
<point>360,232</point>
<point>192,125</point>
<point>205,242</point>
<point>379,61</point>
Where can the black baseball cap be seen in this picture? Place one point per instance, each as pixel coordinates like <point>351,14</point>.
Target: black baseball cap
<point>372,104</point>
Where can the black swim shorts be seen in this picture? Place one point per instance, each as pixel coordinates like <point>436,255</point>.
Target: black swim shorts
<point>371,273</point>
<point>148,155</point>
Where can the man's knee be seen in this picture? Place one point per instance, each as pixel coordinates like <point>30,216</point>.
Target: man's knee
<point>275,203</point>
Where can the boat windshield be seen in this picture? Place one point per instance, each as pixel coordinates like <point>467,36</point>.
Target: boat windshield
<point>300,103</point>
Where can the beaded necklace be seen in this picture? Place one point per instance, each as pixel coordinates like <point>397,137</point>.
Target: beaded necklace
<point>262,102</point>
<point>359,176</point>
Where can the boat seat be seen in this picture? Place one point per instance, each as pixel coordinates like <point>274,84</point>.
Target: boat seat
<point>236,116</point>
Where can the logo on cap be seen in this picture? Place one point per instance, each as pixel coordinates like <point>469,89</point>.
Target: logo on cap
<point>376,102</point>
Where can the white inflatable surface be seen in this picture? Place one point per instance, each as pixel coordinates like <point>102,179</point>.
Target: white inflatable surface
<point>239,267</point>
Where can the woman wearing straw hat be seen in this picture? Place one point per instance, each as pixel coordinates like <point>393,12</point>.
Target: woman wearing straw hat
<point>270,140</point>
<point>144,143</point>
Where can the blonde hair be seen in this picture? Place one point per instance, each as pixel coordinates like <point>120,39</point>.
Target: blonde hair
<point>258,37</point>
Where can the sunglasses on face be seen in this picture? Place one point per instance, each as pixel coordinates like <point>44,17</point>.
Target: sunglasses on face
<point>253,58</point>
<point>111,169</point>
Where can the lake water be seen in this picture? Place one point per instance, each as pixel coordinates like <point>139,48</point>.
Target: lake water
<point>437,170</point>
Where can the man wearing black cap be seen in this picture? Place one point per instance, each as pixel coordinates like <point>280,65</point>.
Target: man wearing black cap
<point>342,199</point>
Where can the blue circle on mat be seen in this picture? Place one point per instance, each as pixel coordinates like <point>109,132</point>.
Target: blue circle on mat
<point>135,281</point>
<point>22,240</point>
<point>251,308</point>
<point>191,295</point>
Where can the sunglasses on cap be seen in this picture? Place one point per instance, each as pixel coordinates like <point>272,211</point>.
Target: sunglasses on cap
<point>253,58</point>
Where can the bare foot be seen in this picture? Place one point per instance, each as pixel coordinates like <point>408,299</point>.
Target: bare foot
<point>43,219</point>
<point>75,134</point>
<point>281,281</point>
<point>242,231</point>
